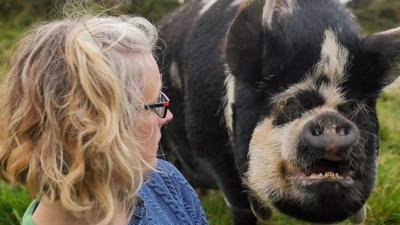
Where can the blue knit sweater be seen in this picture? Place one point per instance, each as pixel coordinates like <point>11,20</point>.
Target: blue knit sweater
<point>166,198</point>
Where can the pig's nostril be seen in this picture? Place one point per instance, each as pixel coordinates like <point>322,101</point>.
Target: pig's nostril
<point>329,133</point>
<point>317,131</point>
<point>342,131</point>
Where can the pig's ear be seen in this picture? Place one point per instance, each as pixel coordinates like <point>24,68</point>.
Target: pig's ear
<point>244,43</point>
<point>384,50</point>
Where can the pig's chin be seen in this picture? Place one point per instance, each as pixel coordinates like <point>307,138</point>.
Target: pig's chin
<point>324,208</point>
<point>330,192</point>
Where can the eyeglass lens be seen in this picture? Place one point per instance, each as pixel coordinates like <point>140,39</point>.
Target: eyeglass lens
<point>161,110</point>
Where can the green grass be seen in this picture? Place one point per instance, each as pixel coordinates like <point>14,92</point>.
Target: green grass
<point>13,202</point>
<point>389,114</point>
<point>12,26</point>
<point>379,15</point>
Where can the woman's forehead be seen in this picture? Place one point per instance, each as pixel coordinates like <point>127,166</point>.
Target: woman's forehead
<point>153,82</point>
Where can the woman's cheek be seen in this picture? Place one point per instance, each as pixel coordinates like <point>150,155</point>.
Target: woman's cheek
<point>149,136</point>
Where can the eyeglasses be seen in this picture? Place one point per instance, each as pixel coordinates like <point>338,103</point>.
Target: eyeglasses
<point>160,108</point>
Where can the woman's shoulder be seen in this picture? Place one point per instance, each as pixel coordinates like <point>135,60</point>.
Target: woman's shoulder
<point>167,192</point>
<point>169,172</point>
<point>167,180</point>
<point>166,166</point>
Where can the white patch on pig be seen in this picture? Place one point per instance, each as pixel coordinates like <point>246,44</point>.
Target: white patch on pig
<point>206,5</point>
<point>331,92</point>
<point>263,175</point>
<point>344,2</point>
<point>174,75</point>
<point>334,58</point>
<point>229,99</point>
<point>281,7</point>
<point>236,3</point>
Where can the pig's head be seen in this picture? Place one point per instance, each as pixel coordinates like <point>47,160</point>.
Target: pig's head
<point>313,151</point>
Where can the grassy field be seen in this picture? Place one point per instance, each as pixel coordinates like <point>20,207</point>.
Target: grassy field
<point>384,204</point>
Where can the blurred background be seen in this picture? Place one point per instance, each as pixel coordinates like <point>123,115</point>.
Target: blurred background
<point>16,16</point>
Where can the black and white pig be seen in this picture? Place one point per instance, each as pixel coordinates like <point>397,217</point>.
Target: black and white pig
<point>275,104</point>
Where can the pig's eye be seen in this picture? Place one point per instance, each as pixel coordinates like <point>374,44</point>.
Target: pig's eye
<point>354,110</point>
<point>347,107</point>
<point>287,111</point>
<point>292,108</point>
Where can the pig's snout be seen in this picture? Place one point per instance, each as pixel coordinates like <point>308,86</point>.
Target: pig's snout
<point>329,134</point>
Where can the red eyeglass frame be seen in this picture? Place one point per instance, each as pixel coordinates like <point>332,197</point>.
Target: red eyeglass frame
<point>165,104</point>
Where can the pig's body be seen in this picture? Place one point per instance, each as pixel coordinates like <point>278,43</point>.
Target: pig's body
<point>251,80</point>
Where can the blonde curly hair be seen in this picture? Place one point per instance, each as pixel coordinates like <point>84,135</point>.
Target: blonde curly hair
<point>69,110</point>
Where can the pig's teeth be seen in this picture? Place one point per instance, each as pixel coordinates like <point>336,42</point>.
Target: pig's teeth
<point>315,176</point>
<point>338,176</point>
<point>329,174</point>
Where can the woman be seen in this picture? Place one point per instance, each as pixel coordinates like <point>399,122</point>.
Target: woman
<point>81,115</point>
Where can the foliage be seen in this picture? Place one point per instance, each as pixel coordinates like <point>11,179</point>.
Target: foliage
<point>17,15</point>
<point>13,202</point>
<point>378,15</point>
<point>151,9</point>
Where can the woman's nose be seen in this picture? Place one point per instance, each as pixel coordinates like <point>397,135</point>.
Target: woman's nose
<point>167,118</point>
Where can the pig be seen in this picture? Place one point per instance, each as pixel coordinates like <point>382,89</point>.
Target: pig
<point>275,104</point>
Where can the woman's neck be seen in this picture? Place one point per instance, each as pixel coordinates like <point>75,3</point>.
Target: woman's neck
<point>55,214</point>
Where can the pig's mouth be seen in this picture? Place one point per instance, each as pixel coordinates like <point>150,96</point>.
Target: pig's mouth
<point>326,191</point>
<point>326,170</point>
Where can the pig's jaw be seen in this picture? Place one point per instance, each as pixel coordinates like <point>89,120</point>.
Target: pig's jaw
<point>323,189</point>
<point>325,194</point>
<point>322,172</point>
